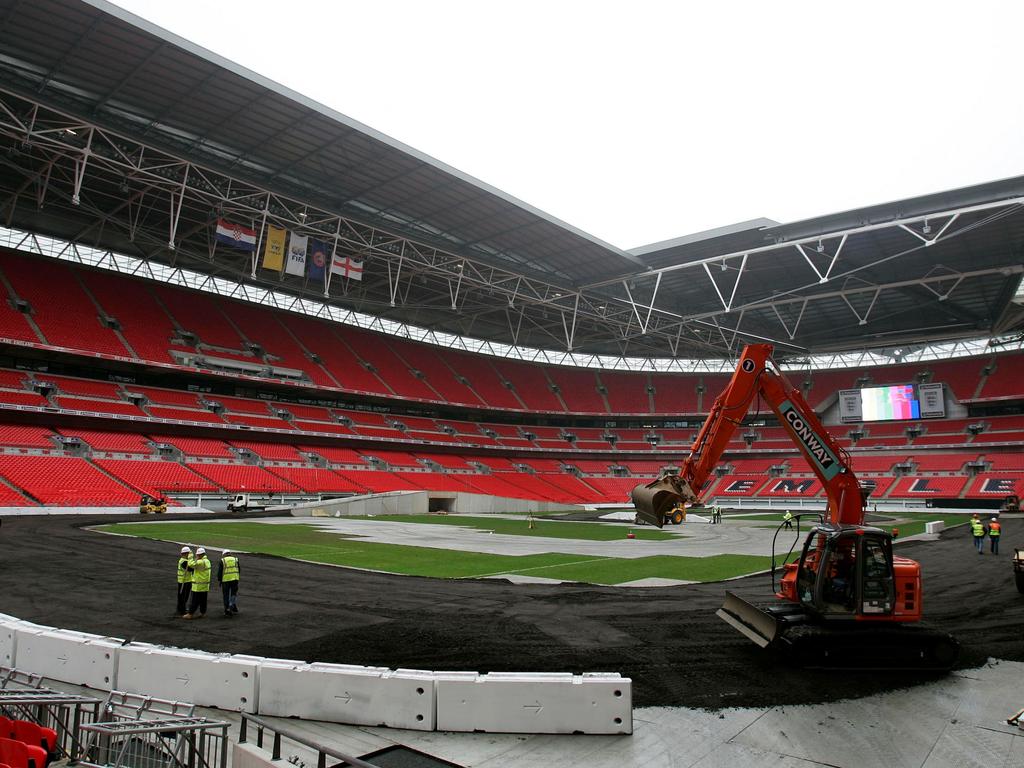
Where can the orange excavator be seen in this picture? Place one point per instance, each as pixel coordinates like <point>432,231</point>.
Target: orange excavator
<point>848,601</point>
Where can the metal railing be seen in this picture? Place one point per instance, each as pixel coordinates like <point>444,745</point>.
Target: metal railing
<point>173,742</point>
<point>282,732</point>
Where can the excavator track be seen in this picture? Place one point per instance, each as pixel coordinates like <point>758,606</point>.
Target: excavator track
<point>808,642</point>
<point>818,646</point>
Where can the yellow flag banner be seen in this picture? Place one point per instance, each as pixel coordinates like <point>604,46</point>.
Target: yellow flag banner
<point>273,251</point>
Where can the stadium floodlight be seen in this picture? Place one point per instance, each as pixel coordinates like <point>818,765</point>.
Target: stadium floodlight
<point>821,247</point>
<point>927,228</point>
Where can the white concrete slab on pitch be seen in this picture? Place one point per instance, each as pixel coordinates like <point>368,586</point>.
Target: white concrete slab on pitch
<point>693,540</point>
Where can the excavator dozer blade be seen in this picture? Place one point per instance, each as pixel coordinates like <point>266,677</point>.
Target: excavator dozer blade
<point>654,500</point>
<point>755,623</point>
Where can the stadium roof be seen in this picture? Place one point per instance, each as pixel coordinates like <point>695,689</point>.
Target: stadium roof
<point>121,135</point>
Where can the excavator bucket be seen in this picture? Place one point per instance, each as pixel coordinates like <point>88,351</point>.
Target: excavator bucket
<point>755,623</point>
<point>654,500</point>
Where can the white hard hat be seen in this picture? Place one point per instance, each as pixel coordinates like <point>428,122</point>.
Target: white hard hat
<point>993,520</point>
<point>200,551</point>
<point>227,551</point>
<point>185,550</point>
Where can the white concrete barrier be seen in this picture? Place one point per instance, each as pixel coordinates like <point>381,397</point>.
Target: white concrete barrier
<point>349,694</point>
<point>8,641</point>
<point>205,679</point>
<point>74,657</point>
<point>506,702</point>
<point>404,698</point>
<point>937,526</point>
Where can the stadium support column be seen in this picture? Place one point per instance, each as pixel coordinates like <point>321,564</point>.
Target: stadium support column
<point>80,164</point>
<point>259,241</point>
<point>176,207</point>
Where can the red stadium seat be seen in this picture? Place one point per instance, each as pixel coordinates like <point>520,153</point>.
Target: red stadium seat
<point>20,755</point>
<point>35,735</point>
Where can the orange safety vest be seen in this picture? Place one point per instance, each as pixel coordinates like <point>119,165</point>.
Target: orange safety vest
<point>994,530</point>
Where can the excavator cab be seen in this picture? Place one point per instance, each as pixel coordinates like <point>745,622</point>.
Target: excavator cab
<point>844,572</point>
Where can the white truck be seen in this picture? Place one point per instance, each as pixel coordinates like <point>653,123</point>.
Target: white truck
<point>244,502</point>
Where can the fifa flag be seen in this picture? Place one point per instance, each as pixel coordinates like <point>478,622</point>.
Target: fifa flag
<point>346,267</point>
<point>319,253</point>
<point>235,235</point>
<point>296,262</point>
<point>273,251</point>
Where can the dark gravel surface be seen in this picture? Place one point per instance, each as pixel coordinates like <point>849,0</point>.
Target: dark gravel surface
<point>668,640</point>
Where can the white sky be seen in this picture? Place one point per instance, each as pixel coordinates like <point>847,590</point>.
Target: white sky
<point>643,121</point>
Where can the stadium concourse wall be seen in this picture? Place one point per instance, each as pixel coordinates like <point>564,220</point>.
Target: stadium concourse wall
<point>421,503</point>
<point>593,703</point>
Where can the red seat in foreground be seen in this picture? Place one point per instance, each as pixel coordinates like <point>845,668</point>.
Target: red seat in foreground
<point>35,735</point>
<point>18,755</point>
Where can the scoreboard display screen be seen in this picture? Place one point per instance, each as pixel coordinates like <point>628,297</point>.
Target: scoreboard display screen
<point>890,403</point>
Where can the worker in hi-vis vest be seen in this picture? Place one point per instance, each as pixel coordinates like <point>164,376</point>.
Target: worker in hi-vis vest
<point>185,561</point>
<point>995,530</point>
<point>200,586</point>
<point>227,574</point>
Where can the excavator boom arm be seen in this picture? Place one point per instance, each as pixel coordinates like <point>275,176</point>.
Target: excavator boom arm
<point>757,376</point>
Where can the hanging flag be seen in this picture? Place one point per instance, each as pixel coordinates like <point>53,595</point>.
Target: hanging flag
<point>235,235</point>
<point>344,266</point>
<point>297,251</point>
<point>317,261</point>
<point>273,252</point>
<point>319,253</point>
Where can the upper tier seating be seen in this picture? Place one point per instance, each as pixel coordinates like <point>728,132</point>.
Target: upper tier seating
<point>626,392</point>
<point>199,313</point>
<point>578,388</point>
<point>676,394</point>
<point>376,350</point>
<point>270,331</point>
<point>144,325</point>
<point>1005,381</point>
<point>530,384</point>
<point>483,379</point>
<point>61,309</point>
<point>337,359</point>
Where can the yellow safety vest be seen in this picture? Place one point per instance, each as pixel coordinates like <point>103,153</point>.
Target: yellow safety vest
<point>230,568</point>
<point>183,575</point>
<point>994,530</point>
<point>201,576</point>
<point>977,528</point>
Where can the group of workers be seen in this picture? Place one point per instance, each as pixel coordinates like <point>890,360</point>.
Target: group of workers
<point>194,572</point>
<point>979,530</point>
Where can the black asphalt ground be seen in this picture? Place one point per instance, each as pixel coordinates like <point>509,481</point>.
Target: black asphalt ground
<point>668,640</point>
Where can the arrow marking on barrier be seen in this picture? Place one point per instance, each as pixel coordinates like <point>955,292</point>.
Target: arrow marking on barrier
<point>536,707</point>
<point>346,698</point>
<point>186,679</point>
<point>62,659</point>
